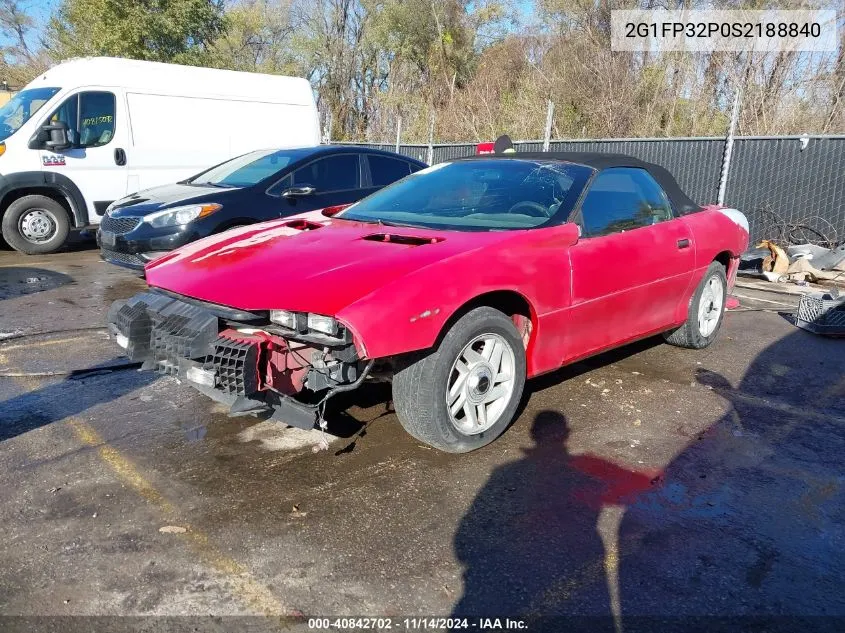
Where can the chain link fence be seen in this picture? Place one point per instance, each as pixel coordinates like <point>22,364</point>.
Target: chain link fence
<point>791,188</point>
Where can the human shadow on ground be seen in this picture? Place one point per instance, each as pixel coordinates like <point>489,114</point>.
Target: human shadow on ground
<point>743,529</point>
<point>66,397</point>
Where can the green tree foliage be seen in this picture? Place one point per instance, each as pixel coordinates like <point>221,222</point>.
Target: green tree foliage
<point>20,58</point>
<point>156,30</point>
<point>480,67</point>
<point>257,39</point>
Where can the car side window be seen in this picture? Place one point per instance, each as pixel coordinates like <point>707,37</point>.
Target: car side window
<point>333,173</point>
<point>89,117</point>
<point>385,170</point>
<point>622,199</point>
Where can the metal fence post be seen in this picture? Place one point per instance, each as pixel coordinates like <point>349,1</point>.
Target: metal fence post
<point>550,113</point>
<point>398,132</point>
<point>327,130</point>
<point>430,153</point>
<point>729,145</point>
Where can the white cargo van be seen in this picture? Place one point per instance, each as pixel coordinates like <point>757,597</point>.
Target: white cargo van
<point>90,131</point>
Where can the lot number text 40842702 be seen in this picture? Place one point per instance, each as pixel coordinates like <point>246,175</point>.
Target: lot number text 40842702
<point>416,624</point>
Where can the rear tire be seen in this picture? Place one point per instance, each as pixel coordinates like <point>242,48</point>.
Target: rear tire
<point>481,363</point>
<point>705,313</point>
<point>35,225</point>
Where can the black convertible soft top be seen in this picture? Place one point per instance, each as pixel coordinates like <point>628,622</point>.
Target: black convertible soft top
<point>682,203</point>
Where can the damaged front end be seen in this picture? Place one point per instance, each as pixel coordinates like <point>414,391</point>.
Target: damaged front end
<point>236,357</point>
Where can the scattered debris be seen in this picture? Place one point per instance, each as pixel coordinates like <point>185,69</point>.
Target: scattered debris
<point>321,445</point>
<point>822,258</point>
<point>296,513</point>
<point>777,261</point>
<point>822,314</point>
<point>800,264</point>
<point>172,529</point>
<point>803,270</point>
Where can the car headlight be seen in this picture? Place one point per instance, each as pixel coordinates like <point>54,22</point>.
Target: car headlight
<point>304,323</point>
<point>324,324</point>
<point>180,215</point>
<point>285,318</point>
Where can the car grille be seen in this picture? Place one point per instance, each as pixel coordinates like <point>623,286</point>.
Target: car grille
<point>171,336</point>
<point>123,258</point>
<point>119,226</point>
<point>235,364</point>
<point>180,331</point>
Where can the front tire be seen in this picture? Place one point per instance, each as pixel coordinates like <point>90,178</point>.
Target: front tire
<point>705,313</point>
<point>35,225</point>
<point>464,394</point>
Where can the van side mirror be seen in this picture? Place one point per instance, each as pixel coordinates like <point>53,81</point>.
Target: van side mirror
<point>57,136</point>
<point>296,192</point>
<point>51,136</point>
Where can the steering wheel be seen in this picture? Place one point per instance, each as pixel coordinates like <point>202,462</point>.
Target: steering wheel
<point>527,207</point>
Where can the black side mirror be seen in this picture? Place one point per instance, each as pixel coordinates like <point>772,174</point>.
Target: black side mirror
<point>296,192</point>
<point>57,136</point>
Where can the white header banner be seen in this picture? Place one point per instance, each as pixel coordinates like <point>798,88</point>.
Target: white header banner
<point>729,30</point>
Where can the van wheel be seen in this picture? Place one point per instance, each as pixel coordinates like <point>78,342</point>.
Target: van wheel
<point>465,393</point>
<point>35,225</point>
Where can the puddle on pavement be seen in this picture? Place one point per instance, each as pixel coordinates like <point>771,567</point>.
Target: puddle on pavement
<point>123,289</point>
<point>276,436</point>
<point>59,352</point>
<point>18,281</point>
<point>195,434</point>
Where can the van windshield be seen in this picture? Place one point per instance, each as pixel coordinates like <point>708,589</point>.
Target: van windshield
<point>247,170</point>
<point>21,107</point>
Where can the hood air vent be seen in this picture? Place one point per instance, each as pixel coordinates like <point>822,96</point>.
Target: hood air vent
<point>406,240</point>
<point>304,225</point>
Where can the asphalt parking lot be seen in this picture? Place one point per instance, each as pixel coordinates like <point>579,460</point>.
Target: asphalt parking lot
<point>650,481</point>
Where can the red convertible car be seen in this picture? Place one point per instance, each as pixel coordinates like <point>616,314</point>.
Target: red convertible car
<point>457,283</point>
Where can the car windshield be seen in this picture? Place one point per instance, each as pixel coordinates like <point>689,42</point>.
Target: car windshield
<point>249,169</point>
<point>20,108</point>
<point>477,195</point>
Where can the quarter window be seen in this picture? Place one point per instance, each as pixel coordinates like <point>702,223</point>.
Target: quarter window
<point>622,199</point>
<point>333,173</point>
<point>385,170</point>
<point>89,117</point>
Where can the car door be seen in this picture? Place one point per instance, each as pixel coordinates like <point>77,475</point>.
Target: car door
<point>384,170</point>
<point>96,159</point>
<point>631,266</point>
<point>323,182</point>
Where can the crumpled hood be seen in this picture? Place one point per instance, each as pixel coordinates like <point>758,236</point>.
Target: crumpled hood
<point>299,265</point>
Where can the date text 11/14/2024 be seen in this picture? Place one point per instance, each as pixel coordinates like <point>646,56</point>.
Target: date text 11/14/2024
<point>415,624</point>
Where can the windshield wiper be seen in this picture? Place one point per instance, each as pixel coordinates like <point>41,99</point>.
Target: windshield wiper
<point>379,221</point>
<point>391,223</point>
